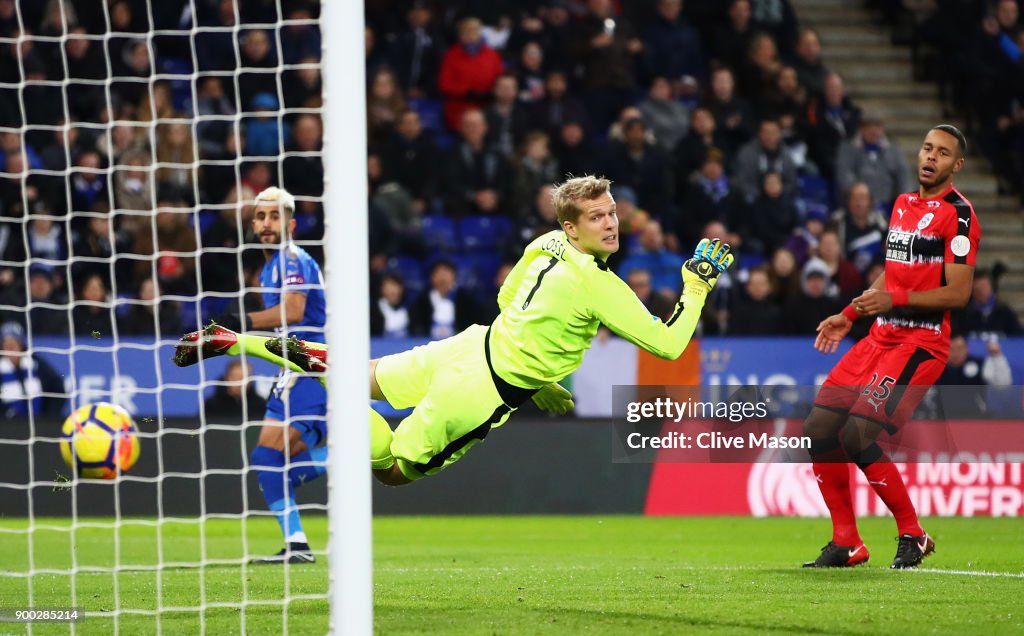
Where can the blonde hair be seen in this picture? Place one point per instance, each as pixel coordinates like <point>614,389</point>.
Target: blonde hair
<point>566,195</point>
<point>274,194</point>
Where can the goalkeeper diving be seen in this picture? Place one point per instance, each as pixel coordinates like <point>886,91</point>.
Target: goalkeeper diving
<point>551,303</point>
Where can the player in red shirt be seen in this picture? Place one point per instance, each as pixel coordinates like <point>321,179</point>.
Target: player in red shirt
<point>929,267</point>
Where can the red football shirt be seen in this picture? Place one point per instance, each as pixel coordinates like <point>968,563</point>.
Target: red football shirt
<point>924,235</point>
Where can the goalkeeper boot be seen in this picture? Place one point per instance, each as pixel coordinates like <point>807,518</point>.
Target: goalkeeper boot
<point>839,556</point>
<point>294,553</point>
<point>309,359</point>
<point>212,341</point>
<point>912,550</point>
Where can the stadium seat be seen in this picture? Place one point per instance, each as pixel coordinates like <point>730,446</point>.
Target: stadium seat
<point>213,306</point>
<point>430,111</point>
<point>484,233</point>
<point>181,88</point>
<point>814,188</point>
<point>190,318</point>
<point>412,272</point>
<point>439,233</point>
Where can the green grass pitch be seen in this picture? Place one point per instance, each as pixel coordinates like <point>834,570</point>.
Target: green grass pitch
<point>529,575</point>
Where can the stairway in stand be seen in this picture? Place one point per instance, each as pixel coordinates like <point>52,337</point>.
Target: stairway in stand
<point>879,78</point>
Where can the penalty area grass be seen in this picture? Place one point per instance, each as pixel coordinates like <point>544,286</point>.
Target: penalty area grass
<point>522,575</point>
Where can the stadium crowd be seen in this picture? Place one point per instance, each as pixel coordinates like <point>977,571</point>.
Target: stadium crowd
<point>712,118</point>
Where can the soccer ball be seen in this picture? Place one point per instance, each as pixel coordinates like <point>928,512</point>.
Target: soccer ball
<point>98,440</point>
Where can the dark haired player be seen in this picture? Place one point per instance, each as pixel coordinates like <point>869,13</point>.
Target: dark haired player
<point>930,252</point>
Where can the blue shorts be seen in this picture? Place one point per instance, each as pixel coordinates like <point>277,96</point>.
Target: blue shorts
<point>302,402</point>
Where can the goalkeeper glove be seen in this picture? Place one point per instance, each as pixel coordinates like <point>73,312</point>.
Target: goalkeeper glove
<point>235,321</point>
<point>700,273</point>
<point>554,398</point>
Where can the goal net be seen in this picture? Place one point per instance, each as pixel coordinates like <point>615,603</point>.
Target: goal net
<point>134,136</point>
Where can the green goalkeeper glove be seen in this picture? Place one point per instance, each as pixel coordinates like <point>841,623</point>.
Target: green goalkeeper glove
<point>554,398</point>
<point>700,273</point>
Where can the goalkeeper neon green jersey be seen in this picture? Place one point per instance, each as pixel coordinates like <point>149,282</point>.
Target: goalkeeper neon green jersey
<point>552,303</point>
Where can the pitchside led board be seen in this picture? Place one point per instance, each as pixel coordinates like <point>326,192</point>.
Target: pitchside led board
<point>767,482</point>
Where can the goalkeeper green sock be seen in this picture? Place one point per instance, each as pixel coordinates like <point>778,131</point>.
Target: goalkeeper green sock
<point>380,442</point>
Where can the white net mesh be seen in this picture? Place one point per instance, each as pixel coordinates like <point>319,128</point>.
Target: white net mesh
<point>134,134</point>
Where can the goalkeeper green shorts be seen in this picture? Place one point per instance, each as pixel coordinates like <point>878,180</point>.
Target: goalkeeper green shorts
<point>458,400</point>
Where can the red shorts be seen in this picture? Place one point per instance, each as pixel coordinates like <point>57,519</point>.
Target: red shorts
<point>881,382</point>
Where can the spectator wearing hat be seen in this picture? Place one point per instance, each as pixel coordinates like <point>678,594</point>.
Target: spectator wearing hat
<point>802,314</point>
<point>29,386</point>
<point>263,129</point>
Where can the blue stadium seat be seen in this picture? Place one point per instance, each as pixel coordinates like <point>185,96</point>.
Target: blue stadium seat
<point>181,88</point>
<point>213,306</point>
<point>814,188</point>
<point>430,111</point>
<point>411,270</point>
<point>190,318</point>
<point>484,233</point>
<point>439,233</point>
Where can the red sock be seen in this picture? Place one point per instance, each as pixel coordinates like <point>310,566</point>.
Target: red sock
<point>834,483</point>
<point>888,484</point>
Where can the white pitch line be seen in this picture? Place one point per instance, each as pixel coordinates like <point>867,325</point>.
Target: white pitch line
<point>1012,575</point>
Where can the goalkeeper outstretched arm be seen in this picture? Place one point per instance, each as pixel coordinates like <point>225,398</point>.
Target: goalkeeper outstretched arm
<point>618,308</point>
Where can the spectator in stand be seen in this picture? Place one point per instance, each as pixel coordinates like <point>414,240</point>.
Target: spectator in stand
<point>506,117</point>
<point>844,276</point>
<point>389,317</point>
<point>760,156</point>
<point>557,107</point>
<point>415,51</point>
<point>301,87</point>
<point>130,66</point>
<point>642,166</point>
<point>264,134</point>
<point>672,47</point>
<point>967,377</point>
<point>174,151</point>
<point>804,241</point>
<point>872,158</point>
<point>810,68</point>
<point>85,62</point>
<point>410,158</point>
<point>692,150</point>
<point>616,132</point>
<point>731,41</point>
<point>657,303</point>
<point>149,316</point>
<point>94,246</point>
<point>667,118</point>
<point>861,228</point>
<point>832,118</point>
<point>258,66</point>
<point>985,316</point>
<point>575,151</point>
<point>215,49</point>
<point>756,314</point>
<point>777,18</point>
<point>44,292</point>
<point>220,267</point>
<point>443,309</point>
<point>662,264</point>
<point>29,386</point>
<point>708,196</point>
<point>734,116</point>
<point>91,313</point>
<point>132,188</point>
<point>760,68</point>
<point>785,101</point>
<point>384,103</point>
<point>303,168</point>
<point>156,104</point>
<point>770,220</point>
<point>468,72</point>
<point>802,315</point>
<point>530,72</point>
<point>88,183</point>
<point>474,176</point>
<point>534,167</point>
<point>541,217</point>
<point>606,46</point>
<point>300,41</point>
<point>173,256</point>
<point>785,276</point>
<point>45,238</point>
<point>235,399</point>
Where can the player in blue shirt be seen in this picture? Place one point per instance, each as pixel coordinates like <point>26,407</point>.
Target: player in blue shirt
<point>293,297</point>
